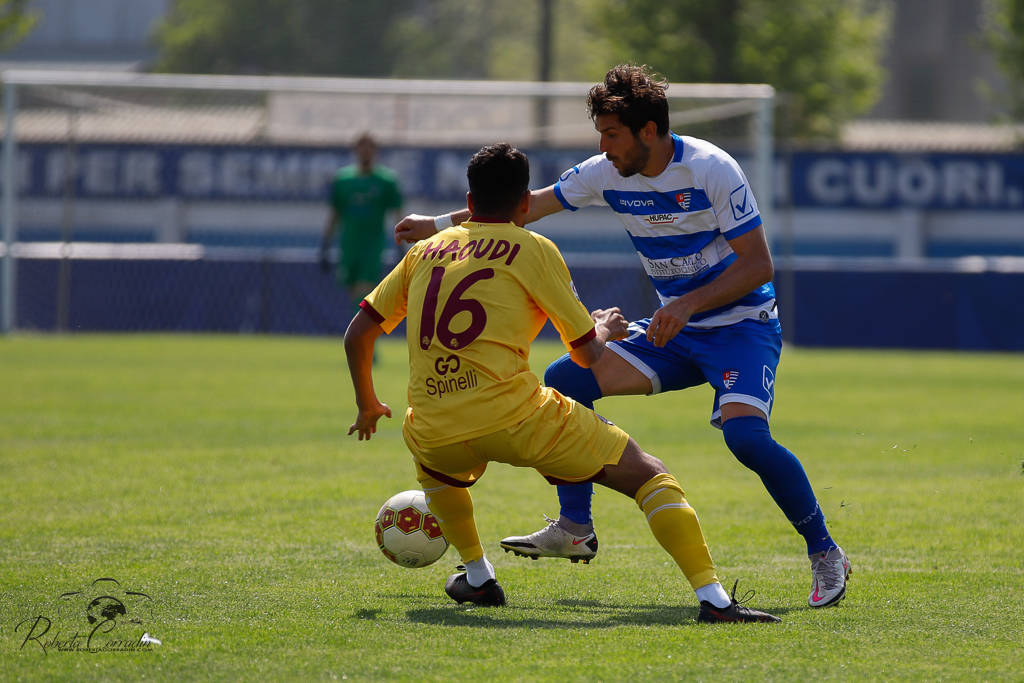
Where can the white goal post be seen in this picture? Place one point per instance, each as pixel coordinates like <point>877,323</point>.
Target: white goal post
<point>70,107</point>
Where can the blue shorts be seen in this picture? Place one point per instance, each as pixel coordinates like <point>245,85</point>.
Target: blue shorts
<point>738,360</point>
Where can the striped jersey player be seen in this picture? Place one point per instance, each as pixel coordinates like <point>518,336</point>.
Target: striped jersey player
<point>680,221</point>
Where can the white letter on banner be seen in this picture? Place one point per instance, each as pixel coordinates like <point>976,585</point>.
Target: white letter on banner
<point>961,182</point>
<point>994,185</point>
<point>291,171</point>
<point>406,164</point>
<point>140,172</point>
<point>267,175</point>
<point>916,182</point>
<point>55,172</point>
<point>863,190</point>
<point>449,175</point>
<point>195,174</point>
<point>235,176</point>
<point>322,167</point>
<point>23,171</point>
<point>827,181</point>
<point>100,172</point>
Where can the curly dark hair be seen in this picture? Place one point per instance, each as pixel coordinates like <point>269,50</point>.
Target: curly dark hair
<point>635,94</point>
<point>498,176</point>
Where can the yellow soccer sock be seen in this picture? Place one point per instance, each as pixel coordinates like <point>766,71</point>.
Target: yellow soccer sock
<point>453,508</point>
<point>674,523</point>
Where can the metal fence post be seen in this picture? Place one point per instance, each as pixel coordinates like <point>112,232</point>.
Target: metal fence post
<point>7,211</point>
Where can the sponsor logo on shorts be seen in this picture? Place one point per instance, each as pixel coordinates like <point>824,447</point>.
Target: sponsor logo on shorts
<point>729,378</point>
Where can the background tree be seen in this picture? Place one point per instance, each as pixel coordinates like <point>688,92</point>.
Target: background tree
<point>1006,37</point>
<point>487,39</point>
<point>822,55</point>
<point>15,22</point>
<point>280,37</point>
<point>402,38</point>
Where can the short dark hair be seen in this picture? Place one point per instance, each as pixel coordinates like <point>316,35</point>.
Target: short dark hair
<point>635,94</point>
<point>365,139</point>
<point>498,176</point>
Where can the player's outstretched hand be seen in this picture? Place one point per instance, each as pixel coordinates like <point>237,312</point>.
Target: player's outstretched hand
<point>366,421</point>
<point>668,321</point>
<point>611,323</point>
<point>414,228</point>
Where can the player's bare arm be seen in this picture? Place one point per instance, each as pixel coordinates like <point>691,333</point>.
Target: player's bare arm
<point>328,236</point>
<point>360,338</point>
<point>416,227</point>
<point>751,269</point>
<point>609,325</point>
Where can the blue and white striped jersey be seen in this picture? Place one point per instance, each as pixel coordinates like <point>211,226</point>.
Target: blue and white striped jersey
<point>680,221</point>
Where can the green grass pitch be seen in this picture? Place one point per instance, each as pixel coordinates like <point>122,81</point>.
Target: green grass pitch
<point>213,474</point>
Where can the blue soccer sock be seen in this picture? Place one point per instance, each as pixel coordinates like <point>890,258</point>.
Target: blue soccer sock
<point>579,384</point>
<point>750,440</point>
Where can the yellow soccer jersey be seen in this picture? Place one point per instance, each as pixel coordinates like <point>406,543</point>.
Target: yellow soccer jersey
<point>476,295</point>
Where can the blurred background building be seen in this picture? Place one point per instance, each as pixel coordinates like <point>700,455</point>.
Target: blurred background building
<point>937,66</point>
<point>914,161</point>
<point>109,34</point>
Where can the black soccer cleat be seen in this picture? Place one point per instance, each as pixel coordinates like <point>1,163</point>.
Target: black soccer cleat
<point>735,612</point>
<point>489,594</point>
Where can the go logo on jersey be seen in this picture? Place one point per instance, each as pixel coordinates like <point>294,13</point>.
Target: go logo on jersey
<point>445,364</point>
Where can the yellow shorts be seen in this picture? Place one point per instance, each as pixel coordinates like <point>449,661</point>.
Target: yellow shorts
<point>564,441</point>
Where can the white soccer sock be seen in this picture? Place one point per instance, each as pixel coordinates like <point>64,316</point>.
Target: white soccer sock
<point>479,572</point>
<point>715,594</point>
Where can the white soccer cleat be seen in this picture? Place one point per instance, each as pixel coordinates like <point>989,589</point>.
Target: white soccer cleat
<point>553,541</point>
<point>830,570</point>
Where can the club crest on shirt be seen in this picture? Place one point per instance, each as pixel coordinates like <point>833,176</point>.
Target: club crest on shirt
<point>729,378</point>
<point>683,199</point>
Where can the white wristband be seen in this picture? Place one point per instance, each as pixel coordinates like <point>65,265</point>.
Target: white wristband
<point>443,221</point>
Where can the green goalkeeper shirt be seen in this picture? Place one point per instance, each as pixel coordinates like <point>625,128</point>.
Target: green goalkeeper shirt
<point>362,202</point>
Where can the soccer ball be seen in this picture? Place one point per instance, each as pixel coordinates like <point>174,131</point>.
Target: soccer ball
<point>407,533</point>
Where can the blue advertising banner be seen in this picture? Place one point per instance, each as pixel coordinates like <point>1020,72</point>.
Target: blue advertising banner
<point>836,180</point>
<point>233,173</point>
<point>928,181</point>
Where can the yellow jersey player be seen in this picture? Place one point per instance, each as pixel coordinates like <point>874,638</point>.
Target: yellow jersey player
<point>475,296</point>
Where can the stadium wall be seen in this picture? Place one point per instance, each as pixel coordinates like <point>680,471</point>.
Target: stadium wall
<point>956,305</point>
<point>828,203</point>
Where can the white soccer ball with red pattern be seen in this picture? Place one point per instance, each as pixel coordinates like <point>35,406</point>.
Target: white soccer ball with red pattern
<point>407,533</point>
